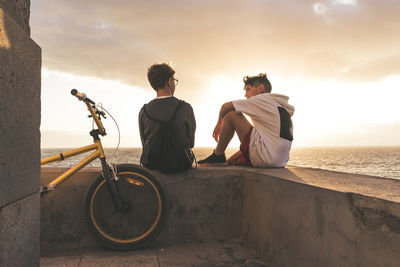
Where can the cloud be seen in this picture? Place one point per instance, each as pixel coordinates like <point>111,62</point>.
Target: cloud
<point>118,40</point>
<point>345,2</point>
<point>320,9</point>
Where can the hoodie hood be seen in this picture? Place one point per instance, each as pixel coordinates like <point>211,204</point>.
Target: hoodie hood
<point>282,100</point>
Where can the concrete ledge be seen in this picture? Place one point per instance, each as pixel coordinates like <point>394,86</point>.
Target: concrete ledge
<point>291,216</point>
<point>377,187</point>
<point>298,222</point>
<point>203,204</point>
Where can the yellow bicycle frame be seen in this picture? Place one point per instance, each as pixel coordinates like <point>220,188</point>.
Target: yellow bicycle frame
<point>96,146</point>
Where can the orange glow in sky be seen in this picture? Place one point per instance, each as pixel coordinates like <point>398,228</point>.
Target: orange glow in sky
<point>337,60</point>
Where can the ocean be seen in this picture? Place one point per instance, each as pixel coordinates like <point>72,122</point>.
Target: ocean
<point>375,161</point>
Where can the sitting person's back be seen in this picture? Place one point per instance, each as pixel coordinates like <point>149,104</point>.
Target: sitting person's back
<point>167,125</point>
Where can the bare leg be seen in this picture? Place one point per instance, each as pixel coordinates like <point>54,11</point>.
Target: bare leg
<point>234,158</point>
<point>233,122</point>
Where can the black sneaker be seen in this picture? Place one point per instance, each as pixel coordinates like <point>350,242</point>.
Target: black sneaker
<point>213,160</point>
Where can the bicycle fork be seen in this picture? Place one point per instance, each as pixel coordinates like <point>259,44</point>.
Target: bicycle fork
<point>112,181</point>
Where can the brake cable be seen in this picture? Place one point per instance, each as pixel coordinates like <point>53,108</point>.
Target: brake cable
<point>100,105</point>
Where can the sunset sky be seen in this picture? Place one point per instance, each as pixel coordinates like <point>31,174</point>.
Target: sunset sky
<point>337,60</point>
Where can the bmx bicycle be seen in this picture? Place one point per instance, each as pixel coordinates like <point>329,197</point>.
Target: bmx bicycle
<point>125,206</point>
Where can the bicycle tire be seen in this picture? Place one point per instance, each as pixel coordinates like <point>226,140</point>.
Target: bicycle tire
<point>136,226</point>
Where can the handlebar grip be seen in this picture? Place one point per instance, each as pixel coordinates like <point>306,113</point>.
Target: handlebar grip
<point>81,96</point>
<point>74,92</point>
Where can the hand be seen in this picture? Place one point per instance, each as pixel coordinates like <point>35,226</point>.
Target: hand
<point>217,130</point>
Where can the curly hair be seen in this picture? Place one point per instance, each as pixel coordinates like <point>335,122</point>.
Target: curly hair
<point>159,74</point>
<point>259,79</point>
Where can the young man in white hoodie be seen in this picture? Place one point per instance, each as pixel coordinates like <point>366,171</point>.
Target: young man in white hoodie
<point>267,142</point>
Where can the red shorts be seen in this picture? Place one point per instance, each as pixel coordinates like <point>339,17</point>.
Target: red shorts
<point>244,159</point>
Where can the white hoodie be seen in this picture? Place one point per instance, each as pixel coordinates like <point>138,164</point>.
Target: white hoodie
<point>266,148</point>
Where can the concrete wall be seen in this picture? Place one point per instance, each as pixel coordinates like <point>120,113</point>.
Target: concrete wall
<point>20,68</point>
<point>291,216</point>
<point>202,205</point>
<point>291,222</point>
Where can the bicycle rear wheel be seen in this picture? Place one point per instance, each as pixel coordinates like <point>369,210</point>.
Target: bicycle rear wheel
<point>143,216</point>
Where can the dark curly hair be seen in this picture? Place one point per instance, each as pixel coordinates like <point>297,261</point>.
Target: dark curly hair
<point>159,74</point>
<point>259,79</point>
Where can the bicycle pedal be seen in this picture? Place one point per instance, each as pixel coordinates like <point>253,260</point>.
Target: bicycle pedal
<point>47,188</point>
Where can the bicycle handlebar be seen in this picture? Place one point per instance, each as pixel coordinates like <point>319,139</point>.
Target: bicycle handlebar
<point>93,112</point>
<point>81,96</point>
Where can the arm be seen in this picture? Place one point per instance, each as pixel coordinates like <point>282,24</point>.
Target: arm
<point>141,127</point>
<point>192,127</point>
<point>225,108</point>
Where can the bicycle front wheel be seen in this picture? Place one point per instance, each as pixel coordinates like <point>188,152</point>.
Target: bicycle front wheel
<point>144,210</point>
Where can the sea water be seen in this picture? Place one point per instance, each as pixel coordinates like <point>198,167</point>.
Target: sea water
<point>375,161</point>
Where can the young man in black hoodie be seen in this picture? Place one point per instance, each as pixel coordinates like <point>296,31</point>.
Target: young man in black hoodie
<point>166,124</point>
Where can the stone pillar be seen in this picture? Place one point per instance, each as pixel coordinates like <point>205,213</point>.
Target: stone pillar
<point>20,70</point>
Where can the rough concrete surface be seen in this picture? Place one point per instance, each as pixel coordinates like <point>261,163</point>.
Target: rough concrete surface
<point>19,233</point>
<point>62,220</point>
<point>294,224</point>
<point>202,205</point>
<point>213,253</point>
<point>19,10</point>
<point>20,71</point>
<point>20,113</point>
<point>377,187</point>
<point>290,217</point>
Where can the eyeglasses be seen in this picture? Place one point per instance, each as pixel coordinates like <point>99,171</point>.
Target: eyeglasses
<point>175,81</point>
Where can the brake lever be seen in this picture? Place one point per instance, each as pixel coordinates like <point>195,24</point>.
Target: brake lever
<point>101,113</point>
